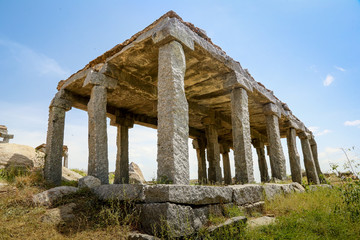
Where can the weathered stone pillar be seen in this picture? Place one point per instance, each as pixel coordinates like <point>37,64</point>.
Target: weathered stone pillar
<point>294,156</point>
<point>98,165</point>
<point>66,157</point>
<point>212,150</point>
<point>308,159</point>
<point>224,150</point>
<point>55,139</point>
<point>244,171</point>
<point>277,157</point>
<point>314,151</point>
<point>173,116</point>
<point>200,145</point>
<point>122,156</point>
<point>259,146</point>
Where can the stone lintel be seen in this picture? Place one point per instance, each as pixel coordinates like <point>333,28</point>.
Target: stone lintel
<point>237,80</point>
<point>97,78</point>
<point>272,109</point>
<point>173,30</point>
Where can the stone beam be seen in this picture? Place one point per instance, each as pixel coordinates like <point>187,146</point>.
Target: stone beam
<point>55,138</point>
<point>173,116</point>
<point>277,157</point>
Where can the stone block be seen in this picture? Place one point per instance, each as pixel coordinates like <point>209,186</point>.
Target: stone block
<point>271,190</point>
<point>246,194</point>
<point>177,220</point>
<point>120,192</point>
<point>186,194</point>
<point>89,182</point>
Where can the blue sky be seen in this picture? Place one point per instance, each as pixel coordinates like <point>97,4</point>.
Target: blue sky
<point>307,52</point>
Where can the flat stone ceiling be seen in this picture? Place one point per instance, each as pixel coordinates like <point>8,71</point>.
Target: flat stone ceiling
<point>210,76</point>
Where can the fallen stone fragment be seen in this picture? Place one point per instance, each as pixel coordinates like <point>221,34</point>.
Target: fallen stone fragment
<point>228,222</point>
<point>141,236</point>
<point>261,221</point>
<point>60,214</point>
<point>89,182</point>
<point>48,197</point>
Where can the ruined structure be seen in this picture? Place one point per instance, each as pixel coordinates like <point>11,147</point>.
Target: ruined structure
<point>4,134</point>
<point>171,77</point>
<point>65,153</point>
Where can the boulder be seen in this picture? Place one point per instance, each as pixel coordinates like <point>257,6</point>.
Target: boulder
<point>261,221</point>
<point>16,155</point>
<point>187,194</point>
<point>48,197</point>
<point>60,214</point>
<point>120,192</point>
<point>89,182</point>
<point>68,175</point>
<point>135,174</point>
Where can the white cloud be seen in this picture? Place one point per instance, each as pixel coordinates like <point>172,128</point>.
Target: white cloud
<point>340,68</point>
<point>316,131</point>
<point>352,123</point>
<point>34,61</point>
<point>328,80</point>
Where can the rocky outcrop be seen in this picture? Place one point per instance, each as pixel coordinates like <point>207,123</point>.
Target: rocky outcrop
<point>135,174</point>
<point>16,155</point>
<point>68,175</point>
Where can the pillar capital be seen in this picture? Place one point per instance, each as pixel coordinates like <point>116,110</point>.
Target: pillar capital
<point>304,135</point>
<point>97,78</point>
<point>199,143</point>
<point>60,102</point>
<point>289,124</point>
<point>224,148</point>
<point>211,120</point>
<point>257,143</point>
<point>271,109</point>
<point>234,80</point>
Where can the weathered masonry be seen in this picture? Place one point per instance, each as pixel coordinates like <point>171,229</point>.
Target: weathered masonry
<point>4,134</point>
<point>171,77</point>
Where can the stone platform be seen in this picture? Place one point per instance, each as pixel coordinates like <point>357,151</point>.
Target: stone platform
<point>186,208</point>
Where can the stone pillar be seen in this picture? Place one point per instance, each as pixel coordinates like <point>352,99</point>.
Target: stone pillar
<point>244,171</point>
<point>224,150</point>
<point>173,116</point>
<point>264,173</point>
<point>122,156</point>
<point>314,151</point>
<point>199,144</point>
<point>55,139</point>
<point>212,150</point>
<point>66,157</point>
<point>308,159</point>
<point>277,157</point>
<point>294,156</point>
<point>98,165</point>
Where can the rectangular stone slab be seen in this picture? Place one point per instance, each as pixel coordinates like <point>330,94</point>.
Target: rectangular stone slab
<point>186,194</point>
<point>249,193</point>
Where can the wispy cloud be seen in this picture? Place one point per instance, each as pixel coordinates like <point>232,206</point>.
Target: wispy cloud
<point>355,123</point>
<point>317,132</point>
<point>328,80</point>
<point>34,61</point>
<point>340,68</point>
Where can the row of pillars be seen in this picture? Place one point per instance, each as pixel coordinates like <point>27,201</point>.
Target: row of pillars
<point>173,132</point>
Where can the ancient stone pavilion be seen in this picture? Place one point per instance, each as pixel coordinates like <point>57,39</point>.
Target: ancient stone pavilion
<point>171,77</point>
